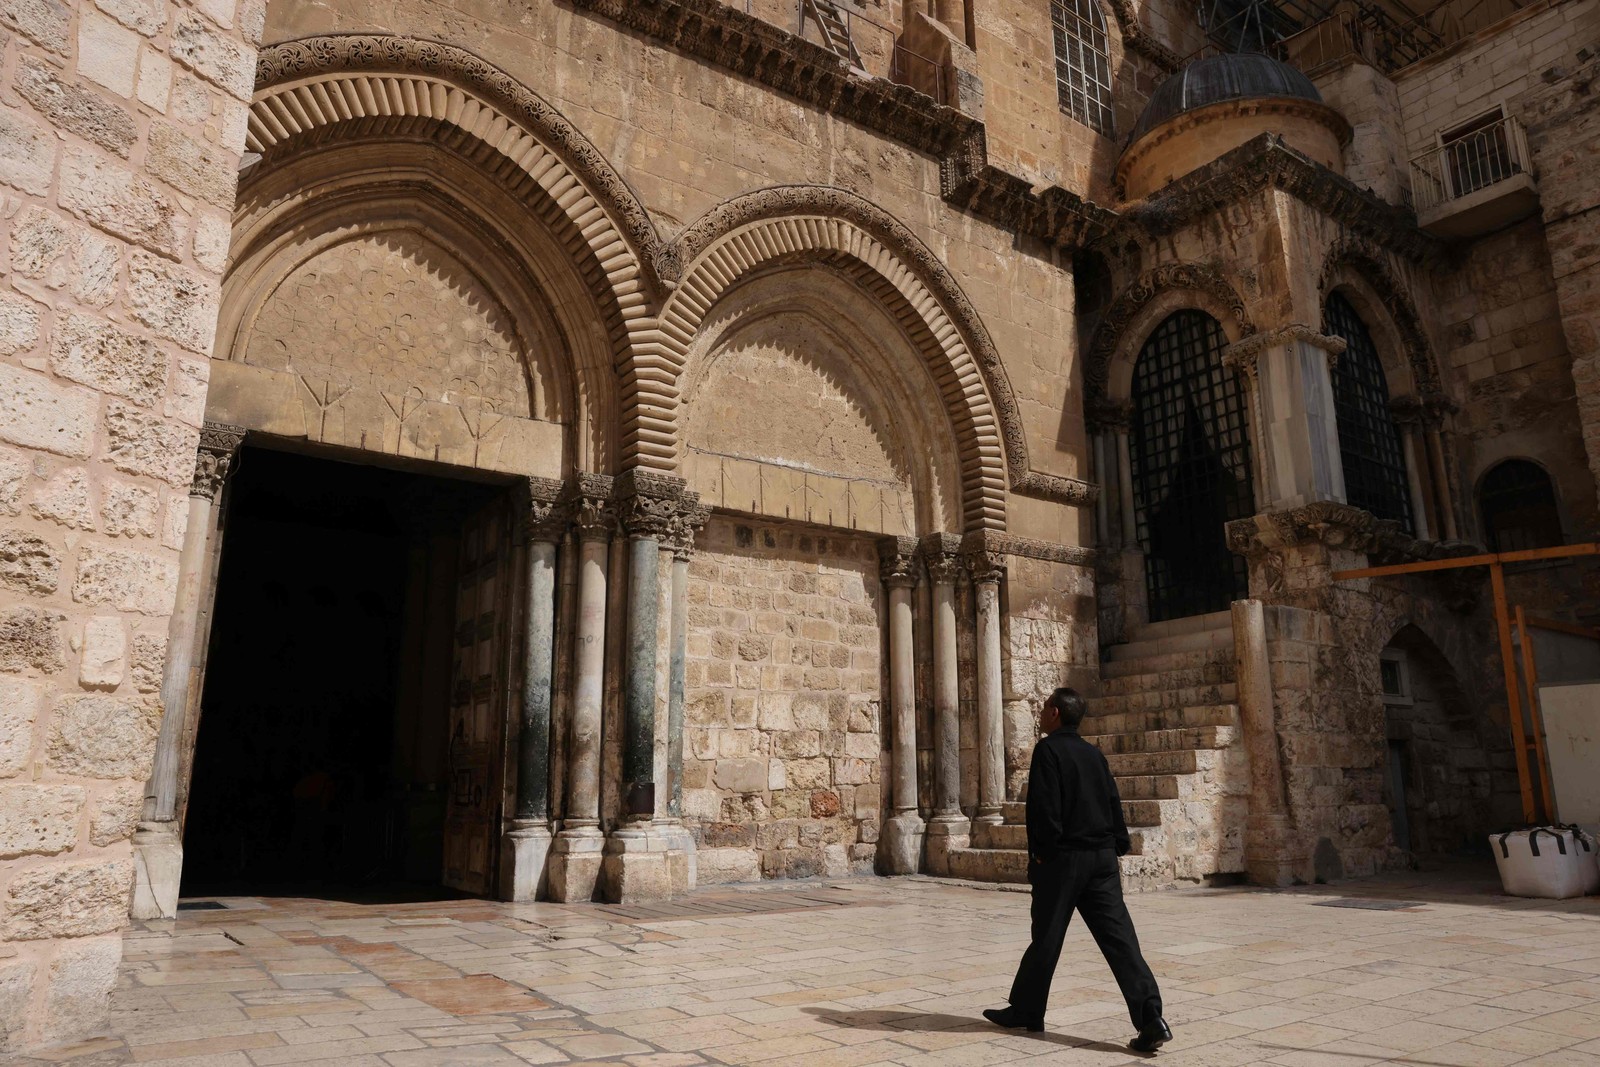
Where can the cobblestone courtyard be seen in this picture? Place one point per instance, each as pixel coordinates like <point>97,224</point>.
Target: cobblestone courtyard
<point>862,971</point>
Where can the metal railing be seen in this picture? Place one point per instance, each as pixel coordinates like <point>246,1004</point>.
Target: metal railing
<point>1491,153</point>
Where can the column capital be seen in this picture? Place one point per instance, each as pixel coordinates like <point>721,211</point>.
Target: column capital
<point>691,517</point>
<point>589,506</point>
<point>897,561</point>
<point>219,443</point>
<point>1426,411</point>
<point>1109,416</point>
<point>648,502</point>
<point>941,553</point>
<point>543,511</point>
<point>983,553</point>
<point>1244,353</point>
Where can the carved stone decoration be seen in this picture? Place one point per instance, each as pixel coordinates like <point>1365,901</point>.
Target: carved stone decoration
<point>1137,38</point>
<point>1243,354</point>
<point>593,516</point>
<point>690,519</point>
<point>941,554</point>
<point>1109,335</point>
<point>781,222</point>
<point>294,69</point>
<point>213,460</point>
<point>897,561</point>
<point>1370,262</point>
<point>1340,526</point>
<point>984,566</point>
<point>648,503</point>
<point>1267,162</point>
<point>1426,411</point>
<point>543,511</point>
<point>1104,415</point>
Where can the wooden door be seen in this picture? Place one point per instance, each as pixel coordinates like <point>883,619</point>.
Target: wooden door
<point>478,703</point>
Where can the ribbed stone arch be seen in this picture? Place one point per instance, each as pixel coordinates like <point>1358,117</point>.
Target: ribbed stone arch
<point>329,88</point>
<point>832,227</point>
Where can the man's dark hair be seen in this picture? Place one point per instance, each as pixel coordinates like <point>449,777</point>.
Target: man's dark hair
<point>1070,703</point>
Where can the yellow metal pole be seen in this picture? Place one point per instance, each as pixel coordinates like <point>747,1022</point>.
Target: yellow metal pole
<point>1530,678</point>
<point>1497,579</point>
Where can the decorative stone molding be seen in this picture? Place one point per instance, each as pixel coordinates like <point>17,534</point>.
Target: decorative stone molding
<point>213,459</point>
<point>543,512</point>
<point>897,561</point>
<point>1046,551</point>
<point>309,86</point>
<point>984,566</point>
<point>691,517</point>
<point>739,237</point>
<point>1137,38</point>
<point>593,516</point>
<point>1339,526</point>
<point>1242,354</point>
<point>1104,415</point>
<point>649,503</point>
<point>1368,260</point>
<point>941,554</point>
<point>1427,411</point>
<point>1267,162</point>
<point>1058,217</point>
<point>1111,333</point>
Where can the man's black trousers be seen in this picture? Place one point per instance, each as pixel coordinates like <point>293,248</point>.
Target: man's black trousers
<point>1091,883</point>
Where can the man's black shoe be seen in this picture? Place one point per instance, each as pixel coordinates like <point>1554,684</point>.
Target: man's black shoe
<point>1012,1019</point>
<point>1151,1038</point>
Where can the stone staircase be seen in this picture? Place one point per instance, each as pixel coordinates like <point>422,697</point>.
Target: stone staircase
<point>1167,720</point>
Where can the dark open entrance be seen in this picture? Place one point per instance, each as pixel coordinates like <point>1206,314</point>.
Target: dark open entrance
<point>324,762</point>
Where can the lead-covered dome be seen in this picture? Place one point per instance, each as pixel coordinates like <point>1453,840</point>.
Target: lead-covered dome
<point>1234,76</point>
<point>1216,104</point>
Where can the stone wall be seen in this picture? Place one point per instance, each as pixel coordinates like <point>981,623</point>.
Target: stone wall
<point>120,133</point>
<point>783,748</point>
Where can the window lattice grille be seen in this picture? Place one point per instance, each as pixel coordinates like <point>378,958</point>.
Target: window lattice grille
<point>1375,476</point>
<point>1519,507</point>
<point>1189,447</point>
<point>1083,62</point>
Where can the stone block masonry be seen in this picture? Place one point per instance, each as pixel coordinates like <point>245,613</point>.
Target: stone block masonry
<point>783,752</point>
<point>121,125</point>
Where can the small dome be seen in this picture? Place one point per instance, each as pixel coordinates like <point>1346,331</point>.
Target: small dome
<point>1233,76</point>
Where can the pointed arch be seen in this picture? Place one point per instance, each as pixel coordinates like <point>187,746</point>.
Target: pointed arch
<point>1363,272</point>
<point>317,92</point>
<point>826,225</point>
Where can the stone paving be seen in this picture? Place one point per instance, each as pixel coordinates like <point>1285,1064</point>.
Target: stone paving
<point>857,972</point>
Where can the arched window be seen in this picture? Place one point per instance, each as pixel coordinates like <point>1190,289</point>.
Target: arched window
<point>1518,505</point>
<point>1083,62</point>
<point>1375,476</point>
<point>1189,454</point>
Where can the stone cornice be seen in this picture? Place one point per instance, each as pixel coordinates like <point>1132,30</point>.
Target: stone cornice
<point>1267,162</point>
<point>1243,353</point>
<point>1340,526</point>
<point>721,34</point>
<point>992,544</point>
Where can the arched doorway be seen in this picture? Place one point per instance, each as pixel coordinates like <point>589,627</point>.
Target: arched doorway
<point>1189,448</point>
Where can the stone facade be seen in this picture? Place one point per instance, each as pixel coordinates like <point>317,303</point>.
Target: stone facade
<point>120,132</point>
<point>808,391</point>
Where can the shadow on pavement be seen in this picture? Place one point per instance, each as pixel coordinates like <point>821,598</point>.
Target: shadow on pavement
<point>903,1021</point>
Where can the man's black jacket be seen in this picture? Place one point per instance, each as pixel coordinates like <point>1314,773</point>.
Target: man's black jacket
<point>1072,799</point>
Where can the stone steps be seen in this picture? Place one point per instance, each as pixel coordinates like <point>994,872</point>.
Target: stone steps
<point>1168,722</point>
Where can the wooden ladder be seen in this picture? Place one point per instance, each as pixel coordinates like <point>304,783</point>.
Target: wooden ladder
<point>835,31</point>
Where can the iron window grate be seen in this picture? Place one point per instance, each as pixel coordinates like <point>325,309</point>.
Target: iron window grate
<point>1083,62</point>
<point>1519,507</point>
<point>1190,456</point>
<point>1369,445</point>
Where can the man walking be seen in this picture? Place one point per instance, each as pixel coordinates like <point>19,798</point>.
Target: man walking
<point>1075,834</point>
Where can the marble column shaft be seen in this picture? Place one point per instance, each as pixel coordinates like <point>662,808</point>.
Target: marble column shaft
<point>987,570</point>
<point>583,757</point>
<point>943,566</point>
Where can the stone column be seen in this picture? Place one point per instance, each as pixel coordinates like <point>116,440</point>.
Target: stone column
<point>540,524</point>
<point>574,866</point>
<point>901,844</point>
<point>158,842</point>
<point>1441,483</point>
<point>949,829</point>
<point>1269,855</point>
<point>1292,390</point>
<point>987,569</point>
<point>635,866</point>
<point>682,869</point>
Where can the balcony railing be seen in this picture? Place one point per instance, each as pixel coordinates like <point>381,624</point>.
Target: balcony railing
<point>1475,160</point>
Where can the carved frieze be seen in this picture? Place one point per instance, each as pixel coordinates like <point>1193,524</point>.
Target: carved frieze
<point>589,499</point>
<point>941,554</point>
<point>542,512</point>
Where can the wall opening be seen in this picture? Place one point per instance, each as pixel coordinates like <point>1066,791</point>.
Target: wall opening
<point>327,760</point>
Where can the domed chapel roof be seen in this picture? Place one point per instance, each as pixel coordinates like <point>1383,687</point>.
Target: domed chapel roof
<point>1232,76</point>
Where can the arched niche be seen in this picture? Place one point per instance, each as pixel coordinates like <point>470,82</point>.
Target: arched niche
<point>505,364</point>
<point>804,399</point>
